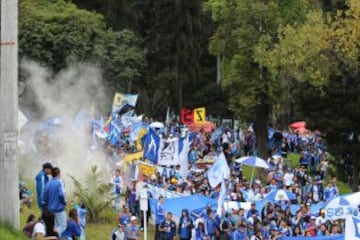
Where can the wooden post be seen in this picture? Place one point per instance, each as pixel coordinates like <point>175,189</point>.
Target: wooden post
<point>9,170</point>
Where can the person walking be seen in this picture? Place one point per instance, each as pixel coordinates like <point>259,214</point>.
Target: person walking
<point>160,216</point>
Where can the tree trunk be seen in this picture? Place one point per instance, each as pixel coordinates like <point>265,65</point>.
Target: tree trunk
<point>355,173</point>
<point>180,86</point>
<point>261,125</point>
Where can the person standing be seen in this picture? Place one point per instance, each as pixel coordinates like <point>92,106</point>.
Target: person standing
<point>167,228</point>
<point>55,200</point>
<point>116,181</point>
<point>132,229</point>
<point>160,216</point>
<point>42,178</point>
<point>185,225</point>
<point>119,233</point>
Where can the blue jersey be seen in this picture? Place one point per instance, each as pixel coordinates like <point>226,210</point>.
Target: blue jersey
<point>116,181</point>
<point>168,229</point>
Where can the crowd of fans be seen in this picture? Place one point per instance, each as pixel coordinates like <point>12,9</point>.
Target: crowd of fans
<point>308,181</point>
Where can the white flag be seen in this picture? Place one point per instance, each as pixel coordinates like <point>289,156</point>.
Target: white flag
<point>218,171</point>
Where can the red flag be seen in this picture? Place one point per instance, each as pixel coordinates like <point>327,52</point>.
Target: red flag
<point>187,116</point>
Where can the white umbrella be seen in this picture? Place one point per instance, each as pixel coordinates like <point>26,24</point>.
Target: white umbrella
<point>157,125</point>
<point>339,208</point>
<point>280,194</point>
<point>253,162</point>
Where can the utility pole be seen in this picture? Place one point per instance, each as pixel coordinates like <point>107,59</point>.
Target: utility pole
<point>9,169</point>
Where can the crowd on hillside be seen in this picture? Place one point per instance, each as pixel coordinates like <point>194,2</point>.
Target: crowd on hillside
<point>308,181</point>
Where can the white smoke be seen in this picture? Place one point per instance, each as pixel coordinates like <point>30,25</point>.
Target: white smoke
<point>62,95</point>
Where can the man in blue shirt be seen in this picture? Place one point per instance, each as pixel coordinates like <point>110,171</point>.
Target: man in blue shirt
<point>211,225</point>
<point>55,200</point>
<point>42,178</point>
<point>167,228</point>
<point>160,216</point>
<point>240,233</point>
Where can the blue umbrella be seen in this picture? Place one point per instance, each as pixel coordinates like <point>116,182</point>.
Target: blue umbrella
<point>280,194</point>
<point>254,162</point>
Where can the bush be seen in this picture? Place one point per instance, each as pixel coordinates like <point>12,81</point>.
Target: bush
<point>94,193</point>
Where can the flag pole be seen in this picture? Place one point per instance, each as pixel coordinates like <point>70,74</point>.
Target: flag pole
<point>252,176</point>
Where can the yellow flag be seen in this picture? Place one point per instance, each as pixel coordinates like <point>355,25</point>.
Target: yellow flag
<point>147,169</point>
<point>199,115</point>
<point>118,99</point>
<point>134,156</point>
<point>142,133</point>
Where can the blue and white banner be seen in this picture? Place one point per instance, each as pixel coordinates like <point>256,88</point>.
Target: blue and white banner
<point>135,130</point>
<point>352,228</point>
<point>170,154</point>
<point>184,143</point>
<point>229,205</point>
<point>334,237</point>
<point>120,100</point>
<point>156,192</point>
<point>218,171</point>
<point>152,146</point>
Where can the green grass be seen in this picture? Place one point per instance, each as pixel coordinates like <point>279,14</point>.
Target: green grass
<point>294,160</point>
<point>6,232</point>
<point>93,231</point>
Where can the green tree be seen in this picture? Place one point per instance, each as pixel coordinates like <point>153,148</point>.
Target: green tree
<point>56,32</point>
<point>243,26</point>
<point>322,56</point>
<point>170,30</point>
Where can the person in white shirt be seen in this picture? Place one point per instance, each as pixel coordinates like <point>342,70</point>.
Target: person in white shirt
<point>288,178</point>
<point>321,218</point>
<point>119,233</point>
<point>39,232</point>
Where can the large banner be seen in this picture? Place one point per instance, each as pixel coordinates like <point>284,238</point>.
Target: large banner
<point>334,237</point>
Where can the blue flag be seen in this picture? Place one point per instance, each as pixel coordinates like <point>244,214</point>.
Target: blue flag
<point>152,146</point>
